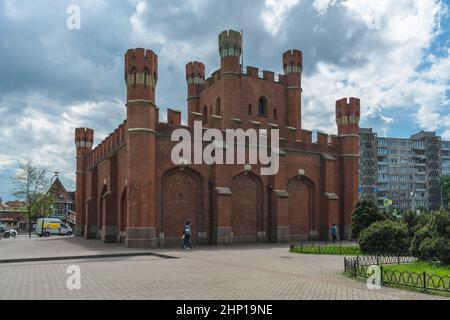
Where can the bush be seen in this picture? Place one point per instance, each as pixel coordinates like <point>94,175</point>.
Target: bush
<point>432,240</point>
<point>385,237</point>
<point>366,213</point>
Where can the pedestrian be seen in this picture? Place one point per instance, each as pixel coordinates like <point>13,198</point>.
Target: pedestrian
<point>187,233</point>
<point>334,233</point>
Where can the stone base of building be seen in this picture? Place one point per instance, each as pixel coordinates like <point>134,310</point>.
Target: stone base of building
<point>90,232</point>
<point>202,238</point>
<point>141,238</point>
<point>121,236</point>
<point>224,236</point>
<point>109,234</point>
<point>79,230</point>
<point>280,235</point>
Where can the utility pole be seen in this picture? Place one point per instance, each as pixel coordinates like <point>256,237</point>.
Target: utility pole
<point>442,194</point>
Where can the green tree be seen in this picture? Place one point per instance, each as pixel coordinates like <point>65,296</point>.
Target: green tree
<point>411,220</point>
<point>385,237</point>
<point>432,240</point>
<point>366,212</point>
<point>31,185</point>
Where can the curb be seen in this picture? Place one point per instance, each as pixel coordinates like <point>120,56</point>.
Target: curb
<point>100,256</point>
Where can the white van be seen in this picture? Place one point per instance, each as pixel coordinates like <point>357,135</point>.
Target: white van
<point>45,227</point>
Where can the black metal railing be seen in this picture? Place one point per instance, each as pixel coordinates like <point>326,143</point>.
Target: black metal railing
<point>358,267</point>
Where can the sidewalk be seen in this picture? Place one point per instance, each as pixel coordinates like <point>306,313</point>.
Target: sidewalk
<point>24,247</point>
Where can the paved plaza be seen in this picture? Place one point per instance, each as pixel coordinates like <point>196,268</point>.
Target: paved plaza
<point>219,273</point>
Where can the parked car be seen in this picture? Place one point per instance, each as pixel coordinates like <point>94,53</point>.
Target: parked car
<point>45,227</point>
<point>7,232</point>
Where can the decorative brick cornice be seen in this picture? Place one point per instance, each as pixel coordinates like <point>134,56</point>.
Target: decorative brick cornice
<point>349,156</point>
<point>141,101</point>
<point>349,136</point>
<point>142,130</point>
<point>294,87</point>
<point>231,73</point>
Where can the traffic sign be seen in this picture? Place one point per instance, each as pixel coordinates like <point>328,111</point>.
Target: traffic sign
<point>375,189</point>
<point>360,189</point>
<point>387,202</point>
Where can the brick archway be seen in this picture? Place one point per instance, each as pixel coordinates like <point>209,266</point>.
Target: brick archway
<point>182,201</point>
<point>246,215</point>
<point>301,208</point>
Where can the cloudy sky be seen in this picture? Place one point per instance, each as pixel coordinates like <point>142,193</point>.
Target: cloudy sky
<point>393,54</point>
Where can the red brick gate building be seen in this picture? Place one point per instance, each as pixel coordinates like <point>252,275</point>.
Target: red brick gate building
<point>128,189</point>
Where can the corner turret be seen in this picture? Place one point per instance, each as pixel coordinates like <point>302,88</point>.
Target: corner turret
<point>230,49</point>
<point>141,74</point>
<point>348,115</point>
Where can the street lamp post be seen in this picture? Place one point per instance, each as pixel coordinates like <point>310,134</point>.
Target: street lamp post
<point>442,195</point>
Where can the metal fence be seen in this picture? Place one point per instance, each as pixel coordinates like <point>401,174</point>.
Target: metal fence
<point>358,267</point>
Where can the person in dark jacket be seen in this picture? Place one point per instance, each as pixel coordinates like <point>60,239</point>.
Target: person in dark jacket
<point>187,233</point>
<point>334,233</point>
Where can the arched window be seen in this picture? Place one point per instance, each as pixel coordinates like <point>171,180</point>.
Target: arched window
<point>250,109</point>
<point>262,107</point>
<point>146,77</point>
<point>205,114</point>
<point>133,76</point>
<point>218,107</point>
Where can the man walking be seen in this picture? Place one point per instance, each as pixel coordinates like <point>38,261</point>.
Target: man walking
<point>187,233</point>
<point>334,233</point>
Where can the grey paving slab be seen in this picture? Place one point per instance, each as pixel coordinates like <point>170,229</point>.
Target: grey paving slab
<point>220,273</point>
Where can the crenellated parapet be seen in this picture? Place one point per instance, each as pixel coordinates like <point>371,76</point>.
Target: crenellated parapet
<point>348,112</point>
<point>141,74</point>
<point>195,73</point>
<point>110,145</point>
<point>293,61</point>
<point>230,50</point>
<point>230,44</point>
<point>84,138</point>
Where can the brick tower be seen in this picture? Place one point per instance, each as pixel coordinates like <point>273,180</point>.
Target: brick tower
<point>230,49</point>
<point>141,75</point>
<point>84,139</point>
<point>293,66</point>
<point>347,119</point>
<point>195,77</point>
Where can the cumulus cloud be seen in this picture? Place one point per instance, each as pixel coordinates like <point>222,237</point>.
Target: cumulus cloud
<point>392,54</point>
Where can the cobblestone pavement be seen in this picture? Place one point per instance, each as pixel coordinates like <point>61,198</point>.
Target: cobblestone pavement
<point>23,247</point>
<point>220,273</point>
